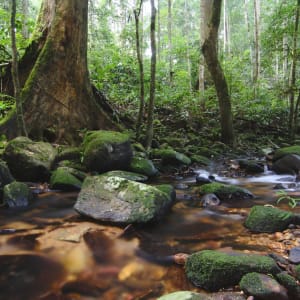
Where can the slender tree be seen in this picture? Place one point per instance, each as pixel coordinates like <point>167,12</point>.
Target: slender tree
<point>170,45</point>
<point>21,128</point>
<point>139,121</point>
<point>149,132</point>
<point>209,49</point>
<point>257,62</point>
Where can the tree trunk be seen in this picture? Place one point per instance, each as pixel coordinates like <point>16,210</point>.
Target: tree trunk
<point>21,129</point>
<point>57,95</point>
<point>149,132</point>
<point>141,71</point>
<point>170,41</point>
<point>209,49</point>
<point>256,73</point>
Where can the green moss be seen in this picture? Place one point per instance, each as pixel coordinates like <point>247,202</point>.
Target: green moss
<point>168,189</point>
<point>143,166</point>
<point>170,156</point>
<point>286,150</point>
<point>268,219</point>
<point>16,194</point>
<point>62,178</point>
<point>290,283</point>
<point>297,272</point>
<point>213,270</point>
<point>199,159</point>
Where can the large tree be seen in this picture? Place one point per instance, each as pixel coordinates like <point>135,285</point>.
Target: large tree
<point>209,49</point>
<point>58,99</point>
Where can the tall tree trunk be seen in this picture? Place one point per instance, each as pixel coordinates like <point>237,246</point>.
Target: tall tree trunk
<point>25,6</point>
<point>158,32</point>
<point>187,29</point>
<point>209,49</point>
<point>149,132</point>
<point>57,95</point>
<point>141,71</point>
<point>21,129</point>
<point>170,41</point>
<point>256,72</point>
<point>249,36</point>
<point>292,80</point>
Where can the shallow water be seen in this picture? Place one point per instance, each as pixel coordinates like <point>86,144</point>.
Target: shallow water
<point>49,252</point>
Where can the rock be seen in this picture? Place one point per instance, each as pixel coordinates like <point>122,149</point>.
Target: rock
<point>16,194</point>
<point>168,189</point>
<point>213,270</point>
<point>181,186</point>
<point>290,283</point>
<point>127,175</point>
<point>268,219</point>
<point>171,157</point>
<point>106,150</point>
<point>184,295</point>
<point>5,175</point>
<point>297,272</point>
<point>288,164</point>
<point>210,200</point>
<point>263,287</point>
<point>294,255</point>
<point>224,192</point>
<point>66,179</point>
<point>202,179</point>
<point>279,153</point>
<point>143,166</point>
<point>68,155</point>
<point>28,160</point>
<point>251,166</point>
<point>116,199</point>
<point>200,160</point>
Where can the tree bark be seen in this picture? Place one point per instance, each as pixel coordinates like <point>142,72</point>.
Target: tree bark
<point>21,128</point>
<point>170,41</point>
<point>256,73</point>
<point>57,94</point>
<point>149,132</point>
<point>209,50</point>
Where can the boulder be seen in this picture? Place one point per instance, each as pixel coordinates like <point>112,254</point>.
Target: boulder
<point>288,164</point>
<point>188,295</point>
<point>106,150</point>
<point>279,153</point>
<point>251,166</point>
<point>297,272</point>
<point>66,179</point>
<point>268,219</point>
<point>168,189</point>
<point>213,270</point>
<point>290,283</point>
<point>5,175</point>
<point>200,160</point>
<point>68,156</point>
<point>143,166</point>
<point>16,194</point>
<point>262,287</point>
<point>171,157</point>
<point>225,192</point>
<point>127,175</point>
<point>116,199</point>
<point>28,160</point>
<point>294,255</point>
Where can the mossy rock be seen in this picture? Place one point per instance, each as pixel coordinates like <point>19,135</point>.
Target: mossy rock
<point>66,179</point>
<point>201,160</point>
<point>214,270</point>
<point>5,175</point>
<point>225,192</point>
<point>290,283</point>
<point>279,153</point>
<point>143,166</point>
<point>106,150</point>
<point>207,152</point>
<point>28,160</point>
<point>184,295</point>
<point>168,189</point>
<point>71,154</point>
<point>116,199</point>
<point>268,219</point>
<point>297,272</point>
<point>127,175</point>
<point>251,166</point>
<point>17,194</point>
<point>171,157</point>
<point>262,286</point>
<point>288,164</point>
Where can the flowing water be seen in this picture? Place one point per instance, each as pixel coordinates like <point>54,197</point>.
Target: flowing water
<point>49,252</point>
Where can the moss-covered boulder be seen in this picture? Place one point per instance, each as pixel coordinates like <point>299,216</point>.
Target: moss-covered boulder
<point>262,286</point>
<point>127,175</point>
<point>28,160</point>
<point>106,150</point>
<point>213,270</point>
<point>288,164</point>
<point>68,155</point>
<point>200,160</point>
<point>268,219</point>
<point>116,199</point>
<point>225,192</point>
<point>168,189</point>
<point>143,166</point>
<point>170,157</point>
<point>66,179</point>
<point>16,194</point>
<point>5,175</point>
<point>290,283</point>
<point>279,153</point>
<point>297,272</point>
<point>184,295</point>
<point>251,166</point>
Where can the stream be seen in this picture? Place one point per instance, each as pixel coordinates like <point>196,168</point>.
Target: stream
<point>48,251</point>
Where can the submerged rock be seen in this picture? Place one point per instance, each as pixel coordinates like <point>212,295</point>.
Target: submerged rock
<point>28,160</point>
<point>106,150</point>
<point>268,219</point>
<point>116,199</point>
<point>224,192</point>
<point>210,200</point>
<point>16,194</point>
<point>213,270</point>
<point>262,286</point>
